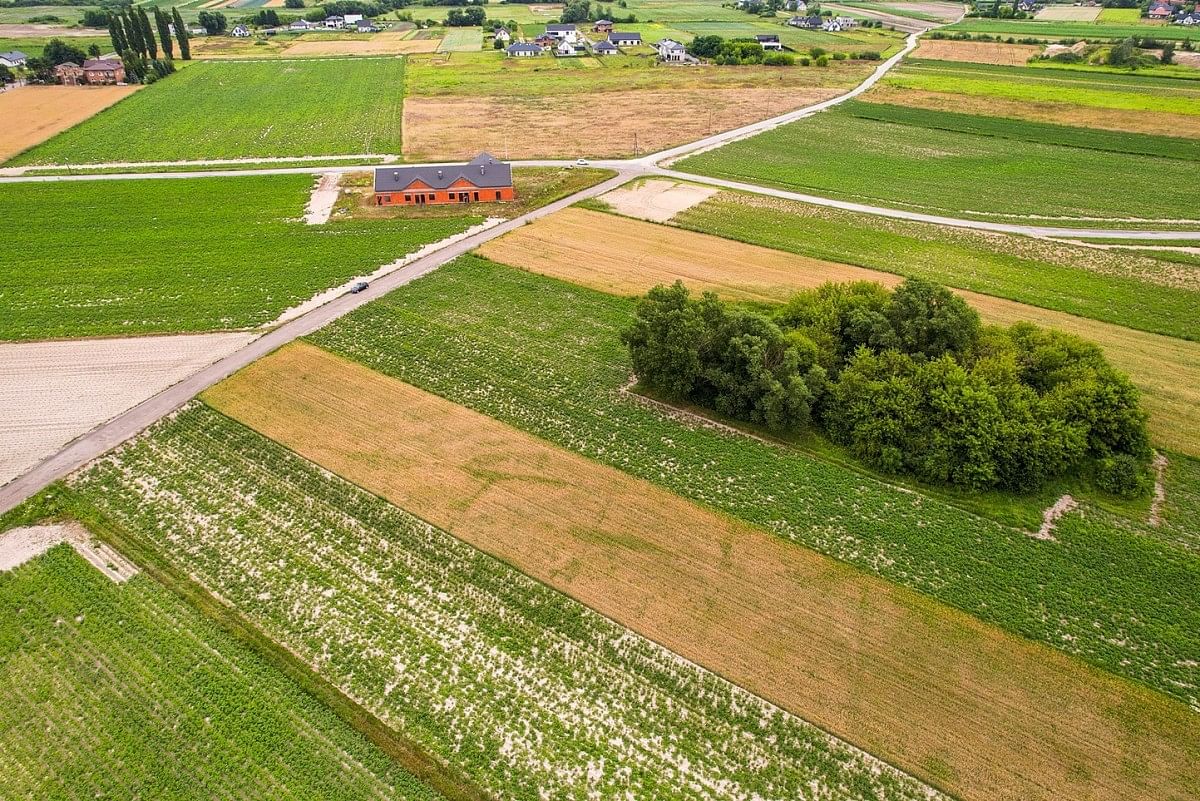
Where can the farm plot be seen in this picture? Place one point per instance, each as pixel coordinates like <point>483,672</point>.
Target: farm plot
<point>33,114</point>
<point>628,257</point>
<point>523,690</point>
<point>546,357</point>
<point>244,109</point>
<point>385,43</point>
<point>977,52</point>
<point>1054,29</point>
<point>104,686</point>
<point>927,169</point>
<point>1060,13</point>
<point>181,255</point>
<point>461,40</point>
<point>691,580</point>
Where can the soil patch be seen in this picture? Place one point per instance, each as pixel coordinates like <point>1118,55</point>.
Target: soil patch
<point>19,545</point>
<point>382,44</point>
<point>579,124</point>
<point>656,199</point>
<point>1060,13</point>
<point>628,257</point>
<point>936,692</point>
<point>1009,55</point>
<point>33,114</point>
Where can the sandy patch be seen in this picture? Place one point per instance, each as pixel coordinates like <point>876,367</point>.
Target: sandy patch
<point>33,114</point>
<point>1151,122</point>
<point>53,392</point>
<point>587,124</point>
<point>382,44</point>
<point>656,199</point>
<point>1059,13</point>
<point>324,195</point>
<point>19,545</point>
<point>927,688</point>
<point>628,257</point>
<point>1051,514</point>
<point>1009,55</point>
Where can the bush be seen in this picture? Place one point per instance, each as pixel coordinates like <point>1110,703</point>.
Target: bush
<point>839,56</point>
<point>778,60</point>
<point>869,55</point>
<point>1123,476</point>
<point>805,61</point>
<point>822,61</point>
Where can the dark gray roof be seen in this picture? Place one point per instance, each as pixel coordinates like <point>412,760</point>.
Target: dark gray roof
<point>523,47</point>
<point>766,37</point>
<point>621,36</point>
<point>483,171</point>
<point>565,26</point>
<point>604,44</point>
<point>13,55</point>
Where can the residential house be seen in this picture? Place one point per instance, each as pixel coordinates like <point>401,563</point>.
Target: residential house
<point>13,59</point>
<point>1160,11</point>
<point>365,26</point>
<point>335,21</point>
<point>69,73</point>
<point>352,20</point>
<point>625,38</point>
<point>671,50</point>
<point>565,48</point>
<point>1187,19</point>
<point>605,48</point>
<point>799,6</point>
<point>846,22</point>
<point>483,179</point>
<point>1028,5</point>
<point>240,31</point>
<point>603,26</point>
<point>302,25</point>
<point>808,23</point>
<point>523,50</point>
<point>768,41</point>
<point>834,25</point>
<point>545,40</point>
<point>562,31</point>
<point>503,35</point>
<point>99,71</point>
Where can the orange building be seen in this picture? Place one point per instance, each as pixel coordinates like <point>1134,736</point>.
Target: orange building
<point>481,180</point>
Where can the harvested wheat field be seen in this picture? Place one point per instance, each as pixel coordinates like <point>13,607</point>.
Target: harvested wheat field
<point>381,44</point>
<point>1148,122</point>
<point>52,392</point>
<point>1012,55</point>
<point>33,114</point>
<point>627,257</point>
<point>577,125</point>
<point>1063,13</point>
<point>983,714</point>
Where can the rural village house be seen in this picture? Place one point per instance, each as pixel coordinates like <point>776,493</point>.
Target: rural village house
<point>13,58</point>
<point>808,23</point>
<point>568,49</point>
<point>240,32</point>
<point>603,26</point>
<point>335,21</point>
<point>503,35</point>
<point>1161,11</point>
<point>545,40</point>
<point>523,50</point>
<point>562,30</point>
<point>671,51</point>
<point>768,41</point>
<point>94,72</point>
<point>483,179</point>
<point>605,48</point>
<point>625,38</point>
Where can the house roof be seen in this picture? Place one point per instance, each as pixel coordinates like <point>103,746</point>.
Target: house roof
<point>766,37</point>
<point>604,44</point>
<point>669,44</point>
<point>70,64</point>
<point>523,47</point>
<point>102,64</point>
<point>565,26</point>
<point>482,171</point>
<point>604,22</point>
<point>622,35</point>
<point>13,55</point>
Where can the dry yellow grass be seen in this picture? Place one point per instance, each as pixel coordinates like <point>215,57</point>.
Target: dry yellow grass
<point>33,114</point>
<point>977,52</point>
<point>1149,122</point>
<point>626,257</point>
<point>556,125</point>
<point>985,715</point>
<point>381,44</point>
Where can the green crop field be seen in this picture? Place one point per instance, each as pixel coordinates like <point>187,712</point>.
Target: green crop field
<point>1120,16</point>
<point>1054,30</point>
<point>1136,292</point>
<point>148,256</point>
<point>243,109</point>
<point>123,691</point>
<point>1122,91</point>
<point>459,40</point>
<point>524,691</point>
<point>33,46</point>
<point>925,169</point>
<point>545,357</point>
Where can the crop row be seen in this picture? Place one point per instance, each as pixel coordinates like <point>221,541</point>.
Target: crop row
<point>545,357</point>
<point>124,692</point>
<point>527,692</point>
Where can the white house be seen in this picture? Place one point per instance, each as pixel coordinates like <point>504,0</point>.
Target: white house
<point>503,35</point>
<point>240,32</point>
<point>566,48</point>
<point>605,48</point>
<point>671,50</point>
<point>523,50</point>
<point>351,20</point>
<point>13,58</point>
<point>625,38</point>
<point>302,25</point>
<point>563,30</point>
<point>335,21</point>
<point>847,22</point>
<point>768,41</point>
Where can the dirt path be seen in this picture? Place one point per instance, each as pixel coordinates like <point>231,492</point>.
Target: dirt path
<point>324,195</point>
<point>19,545</point>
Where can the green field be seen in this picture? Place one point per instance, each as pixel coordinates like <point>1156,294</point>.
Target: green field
<point>1122,91</point>
<point>545,357</point>
<point>524,691</point>
<point>244,109</point>
<point>1054,30</point>
<point>71,15</point>
<point>1120,16</point>
<point>1141,293</point>
<point>461,40</point>
<point>938,171</point>
<point>33,46</point>
<point>150,256</point>
<point>124,691</point>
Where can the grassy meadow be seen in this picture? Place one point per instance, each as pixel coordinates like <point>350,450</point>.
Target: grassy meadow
<point>244,109</point>
<point>545,357</point>
<point>1054,30</point>
<point>156,256</point>
<point>125,691</point>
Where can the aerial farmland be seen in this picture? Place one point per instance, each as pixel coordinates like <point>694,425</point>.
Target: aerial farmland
<point>664,400</point>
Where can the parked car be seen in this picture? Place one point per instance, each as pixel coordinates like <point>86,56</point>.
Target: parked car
<point>358,287</point>
<point>581,162</point>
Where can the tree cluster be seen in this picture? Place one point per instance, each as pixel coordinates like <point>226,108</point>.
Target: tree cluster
<point>908,381</point>
<point>133,37</point>
<point>467,16</point>
<point>737,51</point>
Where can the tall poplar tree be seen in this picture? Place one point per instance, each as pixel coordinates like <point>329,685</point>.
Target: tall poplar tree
<point>133,32</point>
<point>164,32</point>
<point>181,33</point>
<point>147,34</point>
<point>117,33</point>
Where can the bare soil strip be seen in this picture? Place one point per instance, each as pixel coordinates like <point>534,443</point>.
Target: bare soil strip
<point>19,545</point>
<point>656,199</point>
<point>33,114</point>
<point>383,44</point>
<point>983,714</point>
<point>627,257</point>
<point>1009,55</point>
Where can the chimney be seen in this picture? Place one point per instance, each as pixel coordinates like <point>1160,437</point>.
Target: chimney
<point>482,169</point>
<point>439,173</point>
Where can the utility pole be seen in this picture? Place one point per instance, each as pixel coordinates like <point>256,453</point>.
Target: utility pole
<point>635,145</point>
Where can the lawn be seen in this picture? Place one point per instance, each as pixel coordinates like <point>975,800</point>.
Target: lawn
<point>926,169</point>
<point>546,357</point>
<point>125,691</point>
<point>522,690</point>
<point>461,40</point>
<point>156,256</point>
<point>1120,16</point>
<point>245,109</point>
<point>33,46</point>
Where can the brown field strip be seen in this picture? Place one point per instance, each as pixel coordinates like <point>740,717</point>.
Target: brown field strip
<point>983,714</point>
<point>1148,122</point>
<point>383,44</point>
<point>626,257</point>
<point>33,114</point>
<point>1009,55</point>
<point>578,124</point>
